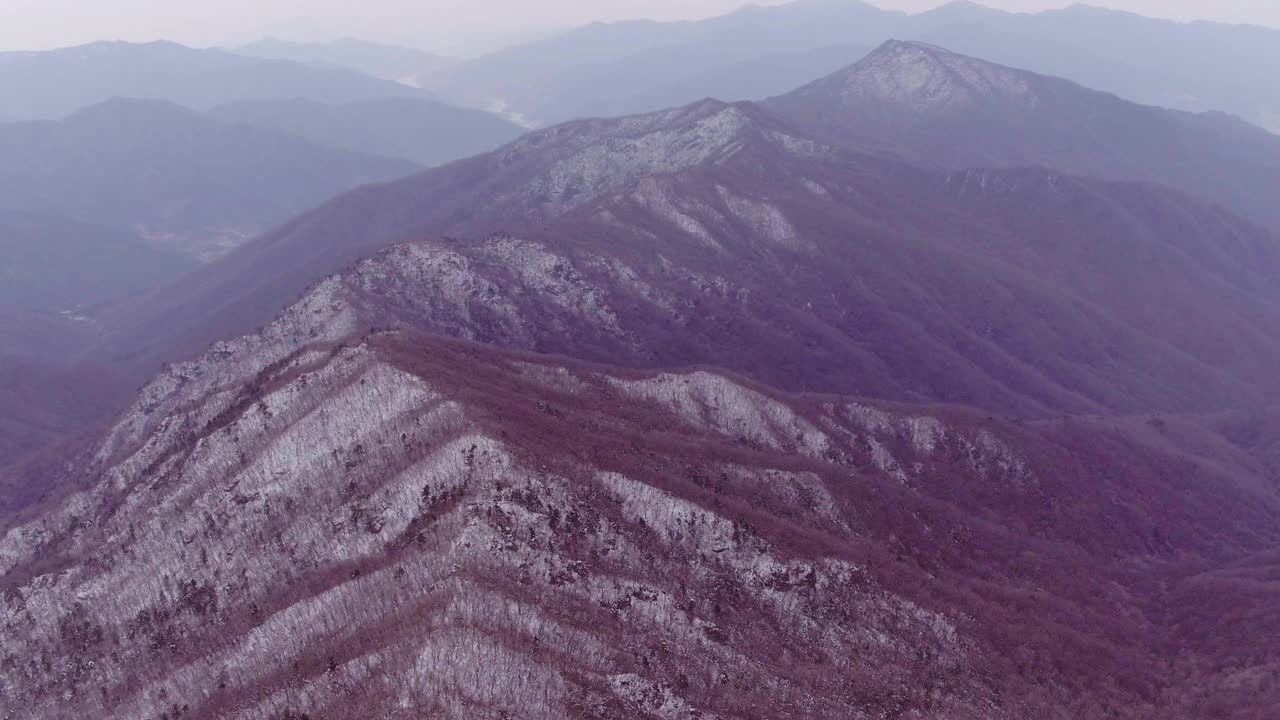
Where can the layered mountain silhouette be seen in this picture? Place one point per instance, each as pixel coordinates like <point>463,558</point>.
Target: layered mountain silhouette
<point>182,181</point>
<point>54,84</point>
<point>630,67</point>
<point>759,52</point>
<point>422,131</point>
<point>933,106</point>
<point>389,62</point>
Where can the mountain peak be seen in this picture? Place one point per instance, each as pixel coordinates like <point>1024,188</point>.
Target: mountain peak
<point>586,159</point>
<point>926,78</point>
<point>123,107</point>
<point>962,8</point>
<point>125,48</point>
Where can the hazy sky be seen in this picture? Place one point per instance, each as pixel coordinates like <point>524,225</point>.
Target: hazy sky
<point>452,24</point>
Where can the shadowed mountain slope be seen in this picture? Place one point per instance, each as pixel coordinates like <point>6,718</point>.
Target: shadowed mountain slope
<point>43,403</point>
<point>180,180</point>
<point>52,264</point>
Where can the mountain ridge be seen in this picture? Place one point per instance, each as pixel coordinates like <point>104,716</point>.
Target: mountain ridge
<point>405,65</point>
<point>176,177</point>
<point>52,84</point>
<point>425,132</point>
<point>718,185</point>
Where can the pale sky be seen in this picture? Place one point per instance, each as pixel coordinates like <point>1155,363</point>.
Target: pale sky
<point>439,24</point>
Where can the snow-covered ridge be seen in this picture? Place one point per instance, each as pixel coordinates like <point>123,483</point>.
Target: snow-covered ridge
<point>588,159</point>
<point>323,498</point>
<point>288,496</point>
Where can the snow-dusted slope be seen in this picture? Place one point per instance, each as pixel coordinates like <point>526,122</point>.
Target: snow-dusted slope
<point>309,522</point>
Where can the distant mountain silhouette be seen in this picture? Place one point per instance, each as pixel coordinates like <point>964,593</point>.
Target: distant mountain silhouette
<point>639,66</point>
<point>181,180</point>
<point>423,131</point>
<point>389,62</point>
<point>933,106</point>
<point>56,83</point>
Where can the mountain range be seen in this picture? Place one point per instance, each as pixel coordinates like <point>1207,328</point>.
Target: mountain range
<point>696,229</point>
<point>179,179</point>
<point>54,84</point>
<point>409,66</point>
<point>758,52</point>
<point>829,406</point>
<point>426,132</point>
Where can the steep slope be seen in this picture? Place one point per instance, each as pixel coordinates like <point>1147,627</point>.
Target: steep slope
<point>409,66</point>
<point>421,131</point>
<point>933,106</point>
<point>729,239</point>
<point>52,264</point>
<point>310,523</point>
<point>184,182</point>
<point>56,83</point>
<point>620,68</point>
